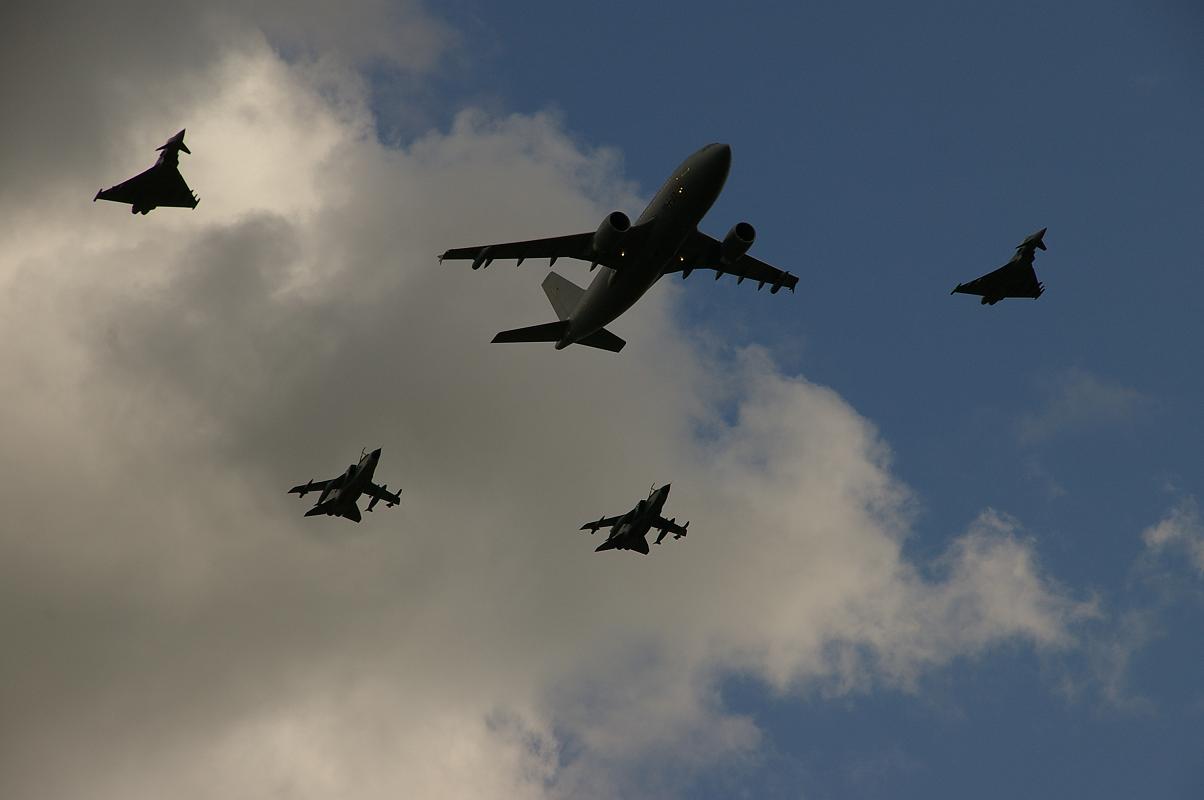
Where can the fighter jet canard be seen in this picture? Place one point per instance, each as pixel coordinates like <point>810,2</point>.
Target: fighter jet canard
<point>1017,278</point>
<point>340,496</point>
<point>665,239</point>
<point>630,531</point>
<point>161,185</point>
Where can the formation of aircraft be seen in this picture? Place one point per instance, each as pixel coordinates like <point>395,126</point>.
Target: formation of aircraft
<point>664,240</point>
<point>340,496</point>
<point>1017,278</point>
<point>630,531</point>
<point>161,185</point>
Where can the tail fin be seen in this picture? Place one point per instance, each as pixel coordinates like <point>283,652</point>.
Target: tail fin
<point>548,332</point>
<point>603,340</point>
<point>563,294</point>
<point>175,143</point>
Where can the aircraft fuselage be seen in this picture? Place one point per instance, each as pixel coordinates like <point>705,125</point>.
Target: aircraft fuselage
<point>636,523</point>
<point>673,213</point>
<point>338,499</point>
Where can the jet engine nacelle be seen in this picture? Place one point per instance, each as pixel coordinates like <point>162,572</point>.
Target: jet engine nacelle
<point>609,237</point>
<point>737,242</point>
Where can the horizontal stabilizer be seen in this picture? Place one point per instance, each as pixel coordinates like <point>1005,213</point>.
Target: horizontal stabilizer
<point>638,545</point>
<point>548,332</point>
<point>603,340</point>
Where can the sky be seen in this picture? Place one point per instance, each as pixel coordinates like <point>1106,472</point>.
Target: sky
<point>936,548</point>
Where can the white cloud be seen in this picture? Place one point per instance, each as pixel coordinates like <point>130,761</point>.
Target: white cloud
<point>1078,400</point>
<point>1181,529</point>
<point>172,621</point>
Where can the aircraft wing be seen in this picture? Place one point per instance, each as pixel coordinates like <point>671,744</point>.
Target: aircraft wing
<point>666,526</point>
<point>605,522</point>
<point>381,493</point>
<point>700,251</point>
<point>576,245</point>
<point>156,186</point>
<point>174,191</point>
<point>1014,279</point>
<point>312,486</point>
<point>129,191</point>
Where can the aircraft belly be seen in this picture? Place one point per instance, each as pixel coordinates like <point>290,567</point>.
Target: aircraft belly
<point>609,296</point>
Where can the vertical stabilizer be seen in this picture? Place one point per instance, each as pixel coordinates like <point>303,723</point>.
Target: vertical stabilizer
<point>563,294</point>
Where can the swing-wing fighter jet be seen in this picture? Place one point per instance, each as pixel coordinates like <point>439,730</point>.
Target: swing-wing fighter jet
<point>340,496</point>
<point>630,531</point>
<point>1017,278</point>
<point>665,239</point>
<point>161,185</point>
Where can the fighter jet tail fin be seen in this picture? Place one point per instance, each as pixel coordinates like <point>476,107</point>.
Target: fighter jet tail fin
<point>175,143</point>
<point>548,332</point>
<point>603,340</point>
<point>563,294</point>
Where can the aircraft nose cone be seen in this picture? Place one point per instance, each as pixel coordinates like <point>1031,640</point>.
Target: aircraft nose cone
<point>376,453</point>
<point>721,153</point>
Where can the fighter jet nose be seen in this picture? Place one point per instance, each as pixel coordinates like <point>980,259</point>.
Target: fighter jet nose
<point>376,453</point>
<point>721,152</point>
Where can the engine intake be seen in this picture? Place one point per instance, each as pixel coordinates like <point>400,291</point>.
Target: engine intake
<point>737,242</point>
<point>608,240</point>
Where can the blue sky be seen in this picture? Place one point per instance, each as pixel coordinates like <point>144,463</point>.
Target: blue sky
<point>885,152</point>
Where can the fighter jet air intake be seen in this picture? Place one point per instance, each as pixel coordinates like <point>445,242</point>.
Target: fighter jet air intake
<point>340,496</point>
<point>633,257</point>
<point>161,185</point>
<point>1017,278</point>
<point>630,531</point>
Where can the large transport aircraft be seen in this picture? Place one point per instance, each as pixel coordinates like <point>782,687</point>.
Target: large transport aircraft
<point>665,239</point>
<point>339,497</point>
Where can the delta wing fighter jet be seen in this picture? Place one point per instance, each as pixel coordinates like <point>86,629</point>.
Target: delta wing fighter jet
<point>1017,278</point>
<point>630,531</point>
<point>665,239</point>
<point>340,496</point>
<point>161,185</point>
